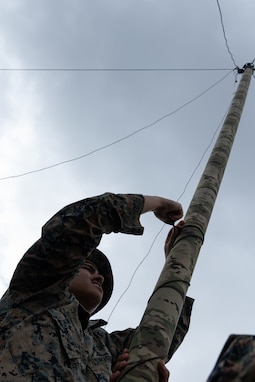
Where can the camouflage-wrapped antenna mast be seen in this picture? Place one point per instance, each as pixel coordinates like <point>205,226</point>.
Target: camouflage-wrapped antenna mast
<point>156,330</point>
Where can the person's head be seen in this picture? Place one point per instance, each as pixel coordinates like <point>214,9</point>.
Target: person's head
<point>93,284</point>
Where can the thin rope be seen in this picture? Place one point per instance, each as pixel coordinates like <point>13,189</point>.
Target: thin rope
<point>109,69</point>
<point>224,34</point>
<point>121,139</point>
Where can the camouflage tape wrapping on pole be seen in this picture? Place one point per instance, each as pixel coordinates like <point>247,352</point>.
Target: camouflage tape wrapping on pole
<point>157,327</point>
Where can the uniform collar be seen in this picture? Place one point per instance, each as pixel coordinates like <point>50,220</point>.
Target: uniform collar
<point>84,318</point>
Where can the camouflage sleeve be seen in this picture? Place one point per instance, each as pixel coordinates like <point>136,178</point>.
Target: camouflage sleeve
<point>236,361</point>
<point>182,326</point>
<point>119,340</point>
<point>70,236</point>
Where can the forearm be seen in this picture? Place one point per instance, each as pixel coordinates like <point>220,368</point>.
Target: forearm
<point>151,203</point>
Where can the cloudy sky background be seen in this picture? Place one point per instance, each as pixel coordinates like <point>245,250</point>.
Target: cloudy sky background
<point>107,118</point>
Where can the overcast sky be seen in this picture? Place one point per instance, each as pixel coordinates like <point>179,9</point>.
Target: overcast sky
<point>107,118</point>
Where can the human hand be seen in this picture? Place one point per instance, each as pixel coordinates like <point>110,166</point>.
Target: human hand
<point>164,209</point>
<point>119,366</point>
<point>169,211</point>
<point>163,372</point>
<point>172,235</point>
<point>122,362</point>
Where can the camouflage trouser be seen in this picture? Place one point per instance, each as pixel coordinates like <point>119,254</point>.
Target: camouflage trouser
<point>236,362</point>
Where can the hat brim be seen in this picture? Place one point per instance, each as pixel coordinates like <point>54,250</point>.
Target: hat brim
<point>104,267</point>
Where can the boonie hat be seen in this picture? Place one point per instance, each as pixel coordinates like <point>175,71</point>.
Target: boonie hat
<point>104,267</point>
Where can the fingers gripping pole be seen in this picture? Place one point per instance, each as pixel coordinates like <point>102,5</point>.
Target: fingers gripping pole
<point>155,333</point>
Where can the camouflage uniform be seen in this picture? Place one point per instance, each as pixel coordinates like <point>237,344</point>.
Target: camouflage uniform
<point>44,334</point>
<point>236,363</point>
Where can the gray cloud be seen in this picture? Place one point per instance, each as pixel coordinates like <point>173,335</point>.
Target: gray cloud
<point>48,117</point>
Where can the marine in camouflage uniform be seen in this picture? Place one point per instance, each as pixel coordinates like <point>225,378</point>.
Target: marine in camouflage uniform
<point>45,335</point>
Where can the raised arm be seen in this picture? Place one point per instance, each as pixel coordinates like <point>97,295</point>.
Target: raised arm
<point>164,209</point>
<point>76,230</point>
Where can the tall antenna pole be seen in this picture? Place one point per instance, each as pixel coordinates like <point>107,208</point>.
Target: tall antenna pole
<point>157,327</point>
